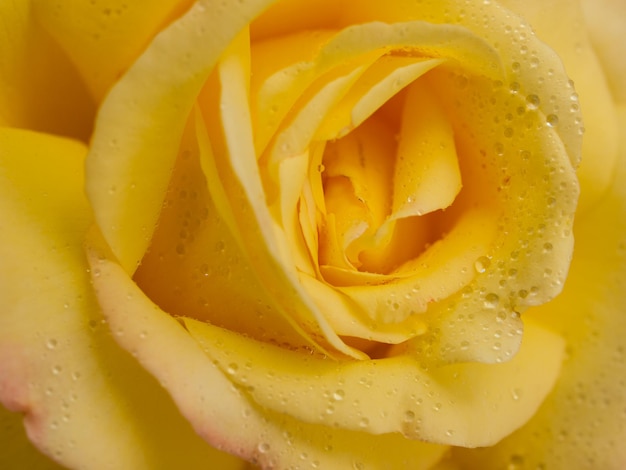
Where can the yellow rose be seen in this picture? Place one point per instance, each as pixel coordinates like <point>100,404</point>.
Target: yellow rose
<point>332,232</point>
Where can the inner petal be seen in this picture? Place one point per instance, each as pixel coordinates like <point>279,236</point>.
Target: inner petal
<point>357,190</point>
<point>374,178</point>
<point>427,175</point>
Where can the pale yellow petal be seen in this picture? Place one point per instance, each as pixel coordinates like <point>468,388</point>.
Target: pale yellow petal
<point>436,404</point>
<point>225,107</point>
<point>141,122</point>
<point>58,363</point>
<point>195,265</point>
<point>569,38</point>
<point>582,422</point>
<point>219,409</point>
<point>606,23</point>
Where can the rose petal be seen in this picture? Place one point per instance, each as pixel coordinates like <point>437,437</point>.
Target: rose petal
<point>355,46</point>
<point>427,174</point>
<point>39,88</point>
<point>442,405</point>
<point>221,411</point>
<point>582,423</point>
<point>58,363</point>
<point>569,38</point>
<point>142,120</point>
<point>195,265</point>
<point>605,23</point>
<point>384,78</point>
<point>17,450</point>
<point>237,175</point>
<point>104,38</point>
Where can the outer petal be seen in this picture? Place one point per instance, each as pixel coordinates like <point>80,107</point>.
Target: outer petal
<point>606,21</point>
<point>582,424</point>
<point>17,450</point>
<point>223,412</point>
<point>398,394</point>
<point>103,38</point>
<point>568,37</point>
<point>58,363</point>
<point>39,87</point>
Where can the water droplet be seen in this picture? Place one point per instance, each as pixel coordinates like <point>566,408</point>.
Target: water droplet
<point>232,368</point>
<point>532,102</point>
<point>499,149</point>
<point>482,264</point>
<point>491,300</point>
<point>516,393</point>
<point>56,370</point>
<point>364,422</point>
<point>52,343</point>
<point>552,120</point>
<point>409,415</point>
<point>515,462</point>
<point>338,395</point>
<point>264,447</point>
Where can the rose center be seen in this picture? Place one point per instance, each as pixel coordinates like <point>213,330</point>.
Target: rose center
<point>386,185</point>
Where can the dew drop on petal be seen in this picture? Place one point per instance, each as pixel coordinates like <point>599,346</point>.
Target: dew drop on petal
<point>481,264</point>
<point>515,462</point>
<point>532,102</point>
<point>552,120</point>
<point>491,300</point>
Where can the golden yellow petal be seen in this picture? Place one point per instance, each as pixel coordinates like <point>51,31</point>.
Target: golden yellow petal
<point>39,87</point>
<point>102,39</point>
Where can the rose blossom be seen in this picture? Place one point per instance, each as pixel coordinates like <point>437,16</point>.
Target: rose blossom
<point>332,234</point>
